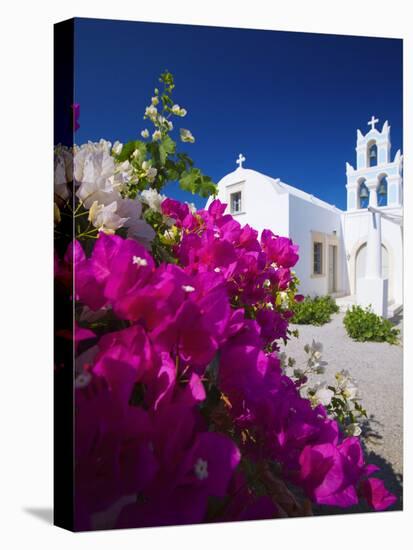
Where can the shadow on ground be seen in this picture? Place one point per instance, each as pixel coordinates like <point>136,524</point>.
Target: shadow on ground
<point>44,514</point>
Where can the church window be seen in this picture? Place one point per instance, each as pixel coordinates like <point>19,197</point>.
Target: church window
<point>317,258</point>
<point>363,195</point>
<point>235,202</point>
<point>382,192</point>
<point>372,155</point>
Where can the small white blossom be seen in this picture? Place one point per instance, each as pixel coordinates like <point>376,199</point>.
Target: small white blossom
<point>353,429</point>
<point>186,136</point>
<point>188,288</point>
<point>157,135</point>
<point>140,262</point>
<point>323,394</point>
<point>117,147</point>
<point>145,133</point>
<point>154,100</point>
<point>153,199</point>
<point>176,109</point>
<point>105,218</point>
<point>151,112</point>
<point>350,391</point>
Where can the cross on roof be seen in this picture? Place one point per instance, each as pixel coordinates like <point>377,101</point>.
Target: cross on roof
<point>240,160</point>
<point>372,122</point>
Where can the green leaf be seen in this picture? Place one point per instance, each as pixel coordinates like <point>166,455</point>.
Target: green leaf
<point>129,148</point>
<point>169,145</point>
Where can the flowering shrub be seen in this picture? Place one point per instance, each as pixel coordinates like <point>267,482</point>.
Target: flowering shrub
<point>183,412</point>
<point>314,311</point>
<point>364,325</point>
<point>340,399</point>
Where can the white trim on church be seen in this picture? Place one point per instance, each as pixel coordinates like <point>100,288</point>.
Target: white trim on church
<point>356,254</point>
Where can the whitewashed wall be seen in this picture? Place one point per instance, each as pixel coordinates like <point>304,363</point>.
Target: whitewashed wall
<point>263,207</point>
<point>355,231</point>
<point>306,218</point>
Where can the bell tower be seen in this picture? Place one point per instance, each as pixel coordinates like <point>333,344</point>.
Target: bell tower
<point>377,180</point>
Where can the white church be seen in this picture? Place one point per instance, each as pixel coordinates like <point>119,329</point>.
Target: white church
<point>356,255</point>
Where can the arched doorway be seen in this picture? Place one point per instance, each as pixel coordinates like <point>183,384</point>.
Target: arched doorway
<point>361,265</point>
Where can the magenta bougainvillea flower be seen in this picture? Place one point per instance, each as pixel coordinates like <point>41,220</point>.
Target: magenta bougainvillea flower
<point>76,116</point>
<point>183,399</point>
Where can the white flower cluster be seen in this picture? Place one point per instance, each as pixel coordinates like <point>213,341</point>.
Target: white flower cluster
<point>321,394</point>
<point>100,181</point>
<point>179,111</point>
<point>153,199</point>
<point>344,389</point>
<point>347,385</point>
<point>162,124</point>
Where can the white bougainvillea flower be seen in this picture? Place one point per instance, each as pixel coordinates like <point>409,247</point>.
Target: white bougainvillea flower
<point>151,112</point>
<point>149,171</point>
<point>106,218</point>
<point>186,136</point>
<point>141,231</point>
<point>123,175</point>
<point>353,429</point>
<point>323,394</point>
<point>153,199</point>
<point>347,384</point>
<point>177,110</point>
<point>351,390</point>
<point>117,147</point>
<point>138,229</point>
<point>94,172</point>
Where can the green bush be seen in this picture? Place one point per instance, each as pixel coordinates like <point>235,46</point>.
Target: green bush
<point>363,325</point>
<point>314,311</point>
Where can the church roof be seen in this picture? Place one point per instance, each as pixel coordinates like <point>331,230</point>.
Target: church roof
<point>307,197</point>
<point>244,174</point>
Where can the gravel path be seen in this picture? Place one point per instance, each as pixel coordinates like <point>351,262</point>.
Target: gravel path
<point>378,370</point>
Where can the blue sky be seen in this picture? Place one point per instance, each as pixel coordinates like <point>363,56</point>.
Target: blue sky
<point>290,102</point>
